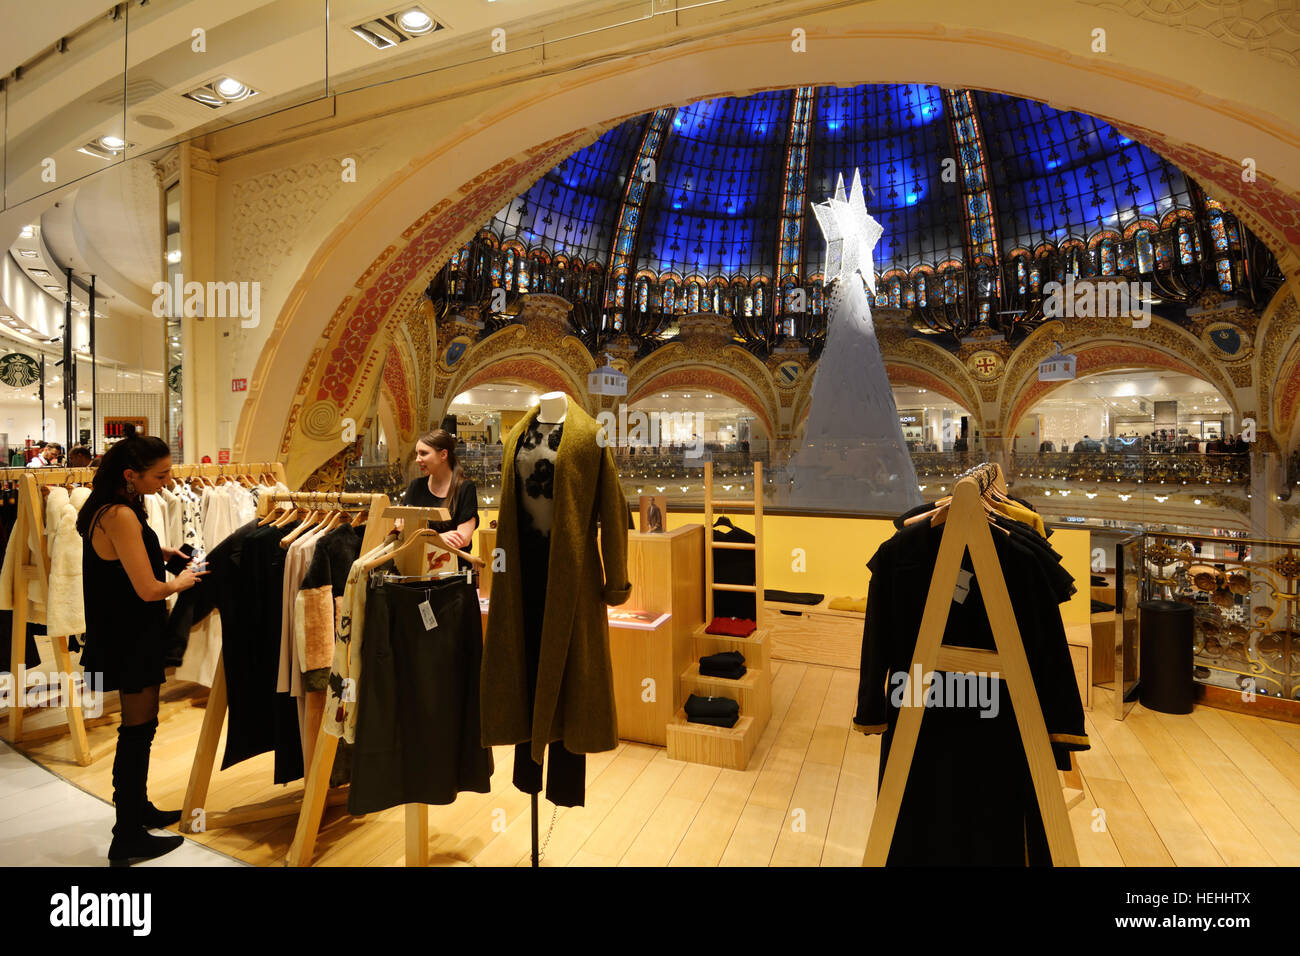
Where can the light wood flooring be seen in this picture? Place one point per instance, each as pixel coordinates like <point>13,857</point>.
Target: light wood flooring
<point>1208,789</point>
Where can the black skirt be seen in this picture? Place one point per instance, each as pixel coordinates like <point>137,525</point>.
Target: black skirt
<point>418,738</point>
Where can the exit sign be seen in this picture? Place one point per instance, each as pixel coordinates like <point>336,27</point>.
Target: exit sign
<point>239,385</point>
<point>223,456</point>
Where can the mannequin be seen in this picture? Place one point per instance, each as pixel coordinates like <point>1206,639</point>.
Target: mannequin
<point>552,407</point>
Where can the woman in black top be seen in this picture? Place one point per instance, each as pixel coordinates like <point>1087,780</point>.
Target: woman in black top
<point>124,586</point>
<point>443,485</point>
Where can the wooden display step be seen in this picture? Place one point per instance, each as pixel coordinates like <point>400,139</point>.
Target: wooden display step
<point>757,648</point>
<point>753,692</point>
<point>726,747</point>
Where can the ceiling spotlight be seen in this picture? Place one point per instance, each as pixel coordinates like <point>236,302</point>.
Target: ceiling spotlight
<point>27,232</point>
<point>105,147</point>
<point>415,22</point>
<point>219,92</point>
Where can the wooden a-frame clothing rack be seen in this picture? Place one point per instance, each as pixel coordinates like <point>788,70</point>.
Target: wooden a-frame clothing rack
<point>966,528</point>
<point>35,563</point>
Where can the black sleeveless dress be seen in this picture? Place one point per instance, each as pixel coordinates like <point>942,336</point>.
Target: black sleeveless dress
<point>126,641</point>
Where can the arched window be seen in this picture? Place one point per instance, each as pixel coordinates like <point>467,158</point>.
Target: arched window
<point>670,296</point>
<point>620,290</point>
<point>817,298</point>
<point>1106,257</point>
<point>1184,244</point>
<point>1021,275</point>
<point>882,299</point>
<point>758,301</point>
<point>920,290</point>
<point>1218,232</point>
<point>717,300</point>
<point>949,288</point>
<point>789,326</point>
<point>1224,269</point>
<point>1036,280</point>
<point>511,263</point>
<point>1144,256</point>
<point>642,295</point>
<point>895,294</point>
<point>693,304</point>
<point>525,276</point>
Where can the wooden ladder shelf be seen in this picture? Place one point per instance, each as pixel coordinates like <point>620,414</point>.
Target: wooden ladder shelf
<point>729,747</point>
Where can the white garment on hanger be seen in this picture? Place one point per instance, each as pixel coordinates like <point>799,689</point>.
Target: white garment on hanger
<point>67,613</point>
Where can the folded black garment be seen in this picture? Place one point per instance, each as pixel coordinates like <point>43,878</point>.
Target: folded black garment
<point>718,711</point>
<point>1099,606</point>
<point>1098,581</point>
<point>792,597</point>
<point>728,664</point>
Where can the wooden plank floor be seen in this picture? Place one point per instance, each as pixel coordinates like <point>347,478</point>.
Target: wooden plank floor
<point>1208,789</point>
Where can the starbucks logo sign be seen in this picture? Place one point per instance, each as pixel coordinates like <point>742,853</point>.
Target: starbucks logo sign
<point>174,379</point>
<point>19,370</point>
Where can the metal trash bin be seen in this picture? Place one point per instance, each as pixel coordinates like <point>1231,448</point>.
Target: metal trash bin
<point>1166,636</point>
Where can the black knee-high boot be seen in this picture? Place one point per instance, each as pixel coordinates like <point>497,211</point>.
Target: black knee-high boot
<point>132,843</point>
<point>151,816</point>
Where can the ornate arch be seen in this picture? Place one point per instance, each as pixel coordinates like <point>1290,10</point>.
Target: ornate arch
<point>1099,349</point>
<point>1277,366</point>
<point>339,371</point>
<point>716,379</point>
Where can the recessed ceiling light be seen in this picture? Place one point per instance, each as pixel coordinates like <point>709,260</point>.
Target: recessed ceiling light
<point>28,253</point>
<point>174,256</point>
<point>105,147</point>
<point>40,273</point>
<point>54,288</point>
<point>415,21</point>
<point>27,232</point>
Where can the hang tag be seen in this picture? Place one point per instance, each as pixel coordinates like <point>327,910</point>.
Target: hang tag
<point>426,615</point>
<point>963,586</point>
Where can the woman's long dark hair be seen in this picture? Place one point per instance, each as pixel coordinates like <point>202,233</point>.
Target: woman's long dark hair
<point>443,440</point>
<point>136,452</point>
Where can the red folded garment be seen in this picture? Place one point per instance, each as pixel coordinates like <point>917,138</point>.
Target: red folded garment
<point>731,626</point>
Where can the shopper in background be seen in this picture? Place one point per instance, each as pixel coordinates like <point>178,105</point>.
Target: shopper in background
<point>46,456</point>
<point>124,586</point>
<point>79,457</point>
<point>443,485</point>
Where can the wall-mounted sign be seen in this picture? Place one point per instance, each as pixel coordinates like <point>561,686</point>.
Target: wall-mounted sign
<point>907,420</point>
<point>239,384</point>
<point>223,456</point>
<point>18,370</point>
<point>1058,368</point>
<point>115,425</point>
<point>174,379</point>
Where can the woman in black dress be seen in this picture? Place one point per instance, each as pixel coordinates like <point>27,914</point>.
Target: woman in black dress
<point>443,485</point>
<point>124,586</point>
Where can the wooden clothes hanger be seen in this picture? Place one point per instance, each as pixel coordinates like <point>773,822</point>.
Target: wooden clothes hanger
<point>423,535</point>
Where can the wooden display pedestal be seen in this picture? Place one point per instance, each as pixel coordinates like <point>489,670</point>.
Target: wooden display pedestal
<point>727,747</point>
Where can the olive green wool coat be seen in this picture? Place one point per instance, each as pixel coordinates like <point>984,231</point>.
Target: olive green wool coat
<point>575,682</point>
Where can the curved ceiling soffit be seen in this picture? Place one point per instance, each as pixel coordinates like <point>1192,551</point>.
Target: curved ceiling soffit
<point>1277,352</point>
<point>736,362</point>
<point>713,377</point>
<point>1106,357</point>
<point>923,376</point>
<point>1010,44</point>
<point>391,285</point>
<point>927,356</point>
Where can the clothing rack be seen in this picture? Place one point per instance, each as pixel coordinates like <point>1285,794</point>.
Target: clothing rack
<point>316,791</point>
<point>967,529</point>
<point>34,562</point>
<point>214,717</point>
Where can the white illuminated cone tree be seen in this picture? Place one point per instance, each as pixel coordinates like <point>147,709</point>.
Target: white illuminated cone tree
<point>853,453</point>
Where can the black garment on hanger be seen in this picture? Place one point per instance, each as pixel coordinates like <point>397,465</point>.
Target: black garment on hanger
<point>32,652</point>
<point>732,566</point>
<point>418,730</point>
<point>969,798</point>
<point>244,583</point>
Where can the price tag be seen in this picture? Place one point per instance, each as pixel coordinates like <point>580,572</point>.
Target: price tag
<point>426,615</point>
<point>963,586</point>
